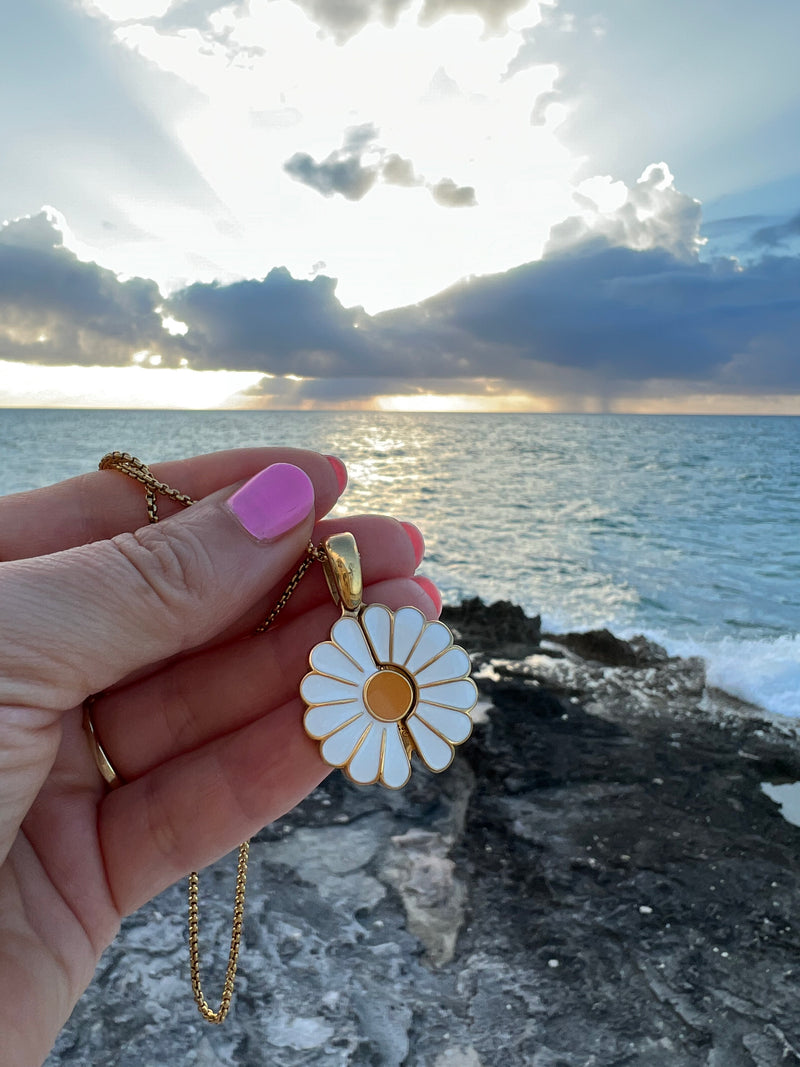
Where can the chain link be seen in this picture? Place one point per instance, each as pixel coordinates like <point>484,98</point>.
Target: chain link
<point>134,468</point>
<point>203,1006</point>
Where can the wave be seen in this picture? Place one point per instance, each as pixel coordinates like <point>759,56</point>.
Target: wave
<point>764,671</point>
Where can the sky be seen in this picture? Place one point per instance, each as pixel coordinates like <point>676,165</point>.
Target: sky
<point>458,205</point>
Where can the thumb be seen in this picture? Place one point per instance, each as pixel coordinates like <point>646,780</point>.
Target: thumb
<point>78,621</point>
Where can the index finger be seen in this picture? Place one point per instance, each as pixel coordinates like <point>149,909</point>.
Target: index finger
<point>101,504</point>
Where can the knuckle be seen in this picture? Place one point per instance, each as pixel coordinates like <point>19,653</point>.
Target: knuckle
<point>171,572</point>
<point>166,830</point>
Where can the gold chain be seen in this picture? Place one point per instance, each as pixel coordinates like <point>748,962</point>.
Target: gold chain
<point>134,468</point>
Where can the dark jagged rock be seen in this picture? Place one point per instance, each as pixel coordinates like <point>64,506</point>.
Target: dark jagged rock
<point>500,628</point>
<point>597,881</point>
<point>601,646</point>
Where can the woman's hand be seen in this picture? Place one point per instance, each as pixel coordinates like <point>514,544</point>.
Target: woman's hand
<point>200,719</point>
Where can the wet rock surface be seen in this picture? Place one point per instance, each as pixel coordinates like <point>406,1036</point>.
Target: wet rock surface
<point>598,880</point>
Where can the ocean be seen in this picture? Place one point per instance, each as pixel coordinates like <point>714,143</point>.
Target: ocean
<point>683,528</point>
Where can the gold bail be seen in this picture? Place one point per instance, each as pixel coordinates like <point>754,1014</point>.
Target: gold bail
<point>342,566</point>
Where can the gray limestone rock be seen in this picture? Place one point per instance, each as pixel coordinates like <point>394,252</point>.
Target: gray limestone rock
<point>598,880</point>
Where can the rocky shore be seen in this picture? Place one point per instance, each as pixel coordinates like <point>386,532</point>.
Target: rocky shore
<point>599,880</point>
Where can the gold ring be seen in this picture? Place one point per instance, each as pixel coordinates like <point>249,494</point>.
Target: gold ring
<point>104,764</point>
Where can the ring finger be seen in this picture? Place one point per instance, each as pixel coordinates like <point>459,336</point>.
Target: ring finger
<point>203,697</point>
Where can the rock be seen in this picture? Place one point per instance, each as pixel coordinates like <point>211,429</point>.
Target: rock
<point>601,646</point>
<point>433,897</point>
<point>499,627</point>
<point>598,879</point>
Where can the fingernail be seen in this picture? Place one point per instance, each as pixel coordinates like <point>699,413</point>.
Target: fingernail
<point>428,587</point>
<point>416,539</point>
<point>274,501</point>
<point>340,471</point>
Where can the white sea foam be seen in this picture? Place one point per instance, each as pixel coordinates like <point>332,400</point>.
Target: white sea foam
<point>764,671</point>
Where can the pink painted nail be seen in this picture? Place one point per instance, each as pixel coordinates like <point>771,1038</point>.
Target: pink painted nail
<point>416,539</point>
<point>428,587</point>
<point>273,501</point>
<point>340,471</point>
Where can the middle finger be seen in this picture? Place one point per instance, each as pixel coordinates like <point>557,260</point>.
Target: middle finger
<point>200,698</point>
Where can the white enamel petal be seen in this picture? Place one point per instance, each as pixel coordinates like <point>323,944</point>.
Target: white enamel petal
<point>365,765</point>
<point>435,639</point>
<point>456,726</point>
<point>327,658</point>
<point>433,751</point>
<point>396,769</point>
<point>377,621</point>
<point>340,746</point>
<point>317,689</point>
<point>326,719</point>
<point>349,636</point>
<point>462,694</point>
<point>408,625</point>
<point>452,664</point>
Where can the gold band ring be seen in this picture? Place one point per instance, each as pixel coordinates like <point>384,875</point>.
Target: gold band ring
<point>104,764</point>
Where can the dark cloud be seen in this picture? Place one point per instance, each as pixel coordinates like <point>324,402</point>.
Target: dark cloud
<point>278,324</point>
<point>448,194</point>
<point>294,392</point>
<point>345,171</point>
<point>277,393</point>
<point>626,314</point>
<point>348,177</point>
<point>780,234</point>
<point>614,313</point>
<point>590,316</point>
<point>56,309</point>
<point>342,171</point>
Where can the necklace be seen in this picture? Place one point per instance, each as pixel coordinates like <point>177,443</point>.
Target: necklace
<point>384,687</point>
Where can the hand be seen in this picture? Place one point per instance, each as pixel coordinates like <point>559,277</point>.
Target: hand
<point>201,720</point>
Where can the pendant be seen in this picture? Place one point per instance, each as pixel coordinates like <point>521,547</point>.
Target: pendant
<point>388,684</point>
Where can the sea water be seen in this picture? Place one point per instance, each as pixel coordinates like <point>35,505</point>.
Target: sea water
<point>684,528</point>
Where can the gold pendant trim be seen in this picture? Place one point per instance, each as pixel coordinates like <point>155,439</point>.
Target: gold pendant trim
<point>388,684</point>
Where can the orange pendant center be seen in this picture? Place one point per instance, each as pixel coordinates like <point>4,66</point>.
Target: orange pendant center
<point>388,695</point>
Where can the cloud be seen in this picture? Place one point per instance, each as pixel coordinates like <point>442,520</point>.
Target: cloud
<point>339,19</point>
<point>348,177</point>
<point>779,234</point>
<point>56,309</point>
<point>343,20</point>
<point>541,104</point>
<point>344,171</point>
<point>608,314</point>
<point>592,317</point>
<point>494,13</point>
<point>632,88</point>
<point>448,194</point>
<point>399,171</point>
<point>293,392</point>
<point>621,313</point>
<point>278,324</point>
<point>653,214</point>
